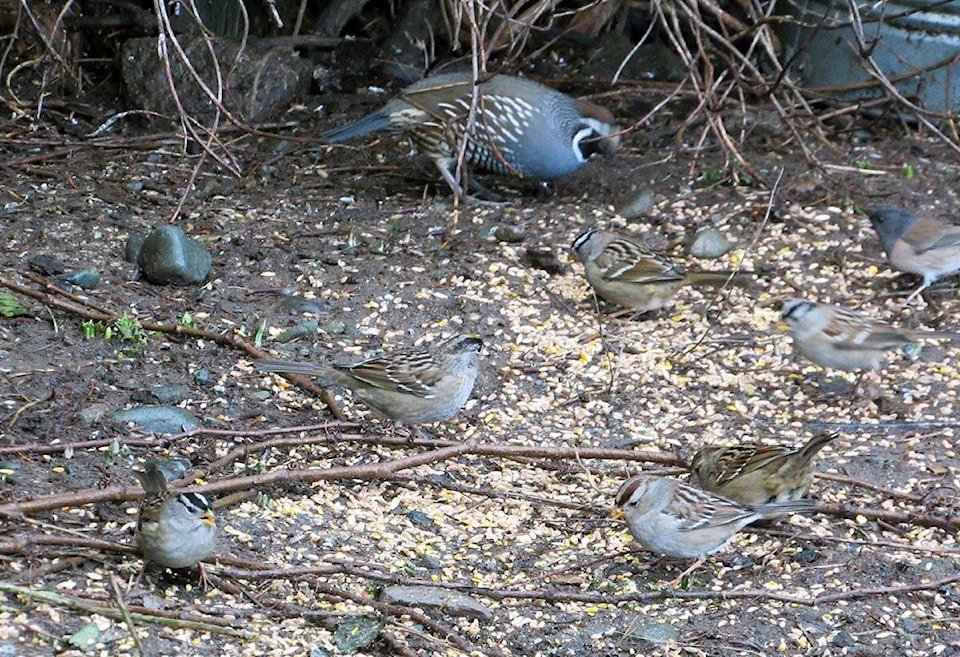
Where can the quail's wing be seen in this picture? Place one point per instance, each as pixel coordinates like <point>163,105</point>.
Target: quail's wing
<point>633,261</point>
<point>445,100</point>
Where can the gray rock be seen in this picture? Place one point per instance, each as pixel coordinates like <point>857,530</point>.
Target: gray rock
<point>651,61</point>
<point>450,602</point>
<point>356,633</point>
<point>86,279</point>
<point>164,394</point>
<point>173,469</point>
<point>159,419</point>
<point>92,414</point>
<point>638,206</point>
<point>543,257</point>
<point>708,242</point>
<point>131,250</point>
<point>169,257</point>
<point>508,233</point>
<point>46,264</point>
<point>298,305</point>
<point>657,633</point>
<point>337,327</point>
<point>305,329</point>
<point>263,80</point>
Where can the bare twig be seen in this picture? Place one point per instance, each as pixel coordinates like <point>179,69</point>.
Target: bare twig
<point>141,614</point>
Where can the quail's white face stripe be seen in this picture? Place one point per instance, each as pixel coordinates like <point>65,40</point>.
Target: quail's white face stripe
<point>582,134</point>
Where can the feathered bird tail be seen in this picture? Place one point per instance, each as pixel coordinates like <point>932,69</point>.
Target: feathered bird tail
<point>370,123</point>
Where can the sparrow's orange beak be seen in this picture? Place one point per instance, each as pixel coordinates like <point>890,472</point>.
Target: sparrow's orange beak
<point>617,513</point>
<point>208,519</point>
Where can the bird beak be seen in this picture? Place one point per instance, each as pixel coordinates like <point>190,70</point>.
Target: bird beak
<point>617,513</point>
<point>208,519</point>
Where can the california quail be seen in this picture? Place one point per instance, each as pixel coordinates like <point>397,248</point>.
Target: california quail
<point>522,127</point>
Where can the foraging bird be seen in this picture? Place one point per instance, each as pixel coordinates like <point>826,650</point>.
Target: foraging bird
<point>673,519</point>
<point>409,387</point>
<point>522,128</point>
<point>176,530</point>
<point>627,272</point>
<point>919,245</point>
<point>754,473</point>
<point>836,337</point>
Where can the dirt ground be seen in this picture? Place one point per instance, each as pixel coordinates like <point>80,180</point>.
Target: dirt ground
<point>358,238</point>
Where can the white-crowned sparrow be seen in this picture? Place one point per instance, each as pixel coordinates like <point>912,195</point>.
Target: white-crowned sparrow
<point>754,473</point>
<point>408,387</point>
<point>627,272</point>
<point>919,245</point>
<point>836,337</point>
<point>176,530</point>
<point>673,519</point>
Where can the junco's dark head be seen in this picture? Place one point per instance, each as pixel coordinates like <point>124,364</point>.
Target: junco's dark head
<point>890,223</point>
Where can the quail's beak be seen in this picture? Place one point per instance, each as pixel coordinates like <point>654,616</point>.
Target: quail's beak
<point>617,513</point>
<point>208,519</point>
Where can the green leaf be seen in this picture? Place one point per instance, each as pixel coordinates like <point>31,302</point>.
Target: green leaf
<point>10,306</point>
<point>86,637</point>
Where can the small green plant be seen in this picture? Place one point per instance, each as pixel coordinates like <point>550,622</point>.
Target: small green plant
<point>863,165</point>
<point>711,177</point>
<point>92,329</point>
<point>188,320</point>
<point>114,452</point>
<point>11,307</point>
<point>908,171</point>
<point>128,328</point>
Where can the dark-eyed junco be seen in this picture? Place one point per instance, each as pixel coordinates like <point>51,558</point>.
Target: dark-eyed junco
<point>919,245</point>
<point>627,272</point>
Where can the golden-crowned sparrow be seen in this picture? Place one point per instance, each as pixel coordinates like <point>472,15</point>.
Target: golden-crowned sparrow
<point>627,272</point>
<point>673,519</point>
<point>754,473</point>
<point>408,387</point>
<point>836,337</point>
<point>919,245</point>
<point>176,530</point>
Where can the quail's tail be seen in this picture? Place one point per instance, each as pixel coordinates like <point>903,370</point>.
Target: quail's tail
<point>774,509</point>
<point>370,123</point>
